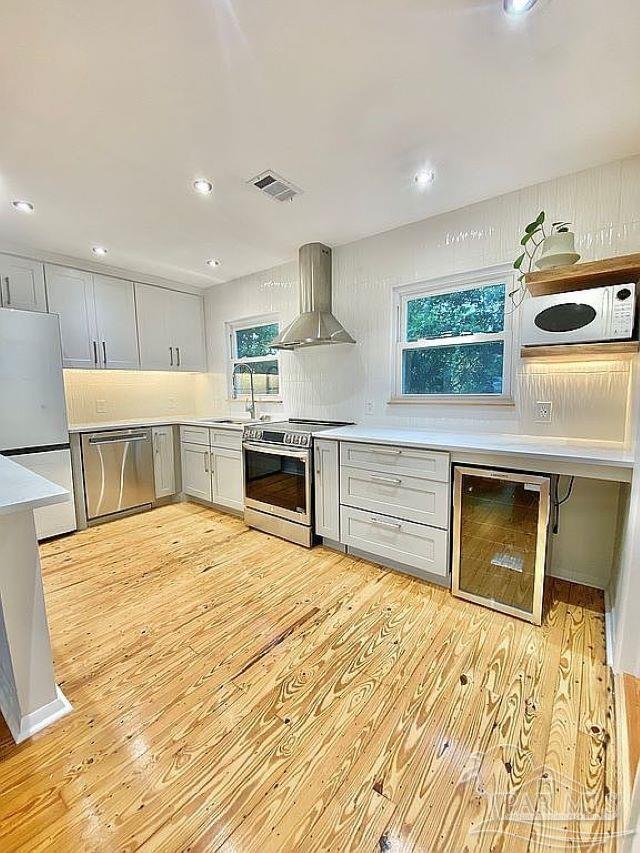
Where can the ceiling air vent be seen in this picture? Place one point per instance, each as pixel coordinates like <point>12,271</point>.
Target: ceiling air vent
<point>275,187</point>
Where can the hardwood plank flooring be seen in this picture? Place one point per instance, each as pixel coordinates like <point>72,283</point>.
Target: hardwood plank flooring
<point>235,692</point>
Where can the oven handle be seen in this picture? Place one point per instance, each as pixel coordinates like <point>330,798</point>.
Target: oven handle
<point>277,450</point>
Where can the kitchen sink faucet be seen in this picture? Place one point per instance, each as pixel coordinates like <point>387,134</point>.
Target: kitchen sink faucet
<point>250,407</point>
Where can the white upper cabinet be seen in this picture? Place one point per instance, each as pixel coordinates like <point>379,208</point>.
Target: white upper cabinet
<point>188,331</point>
<point>170,329</point>
<point>22,284</point>
<point>97,318</point>
<point>152,305</point>
<point>116,323</point>
<point>70,295</point>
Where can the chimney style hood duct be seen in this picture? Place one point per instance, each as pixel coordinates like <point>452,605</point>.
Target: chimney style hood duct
<point>315,324</point>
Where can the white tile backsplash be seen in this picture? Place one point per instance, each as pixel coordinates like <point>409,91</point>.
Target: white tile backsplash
<point>589,398</point>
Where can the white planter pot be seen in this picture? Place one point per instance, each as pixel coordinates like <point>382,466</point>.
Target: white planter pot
<point>558,250</point>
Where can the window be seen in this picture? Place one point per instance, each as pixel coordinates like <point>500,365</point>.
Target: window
<point>454,339</point>
<point>249,345</point>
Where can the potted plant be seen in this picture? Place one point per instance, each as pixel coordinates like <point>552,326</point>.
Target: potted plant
<point>556,245</point>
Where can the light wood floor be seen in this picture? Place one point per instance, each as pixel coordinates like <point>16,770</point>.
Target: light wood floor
<point>236,692</point>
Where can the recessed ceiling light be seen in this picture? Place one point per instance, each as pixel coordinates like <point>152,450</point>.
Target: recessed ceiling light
<point>424,178</point>
<point>23,206</point>
<point>214,262</point>
<point>203,186</point>
<point>99,250</point>
<point>518,7</point>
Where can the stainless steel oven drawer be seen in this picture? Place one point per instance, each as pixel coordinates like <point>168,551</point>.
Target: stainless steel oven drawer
<point>432,464</point>
<point>417,545</point>
<point>411,498</point>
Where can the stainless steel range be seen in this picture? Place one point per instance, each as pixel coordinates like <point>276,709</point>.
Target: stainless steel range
<point>278,477</point>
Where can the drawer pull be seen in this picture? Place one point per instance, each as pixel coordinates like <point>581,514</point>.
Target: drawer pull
<point>387,452</point>
<point>393,481</point>
<point>395,525</point>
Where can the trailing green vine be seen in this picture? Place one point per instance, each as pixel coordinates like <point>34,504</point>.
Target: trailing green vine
<point>533,237</point>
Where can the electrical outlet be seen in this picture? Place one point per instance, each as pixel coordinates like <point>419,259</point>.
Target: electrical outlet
<point>369,407</point>
<point>172,403</point>
<point>101,407</point>
<point>543,412</point>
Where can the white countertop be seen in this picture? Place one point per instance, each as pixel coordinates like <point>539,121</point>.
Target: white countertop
<point>605,453</point>
<point>21,489</point>
<point>148,422</point>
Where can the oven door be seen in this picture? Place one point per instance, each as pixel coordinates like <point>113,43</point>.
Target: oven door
<point>564,318</point>
<point>277,480</point>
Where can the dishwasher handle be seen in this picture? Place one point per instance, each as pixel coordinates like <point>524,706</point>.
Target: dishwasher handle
<point>119,439</point>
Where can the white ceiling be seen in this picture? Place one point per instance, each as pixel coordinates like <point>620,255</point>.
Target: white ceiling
<point>109,110</point>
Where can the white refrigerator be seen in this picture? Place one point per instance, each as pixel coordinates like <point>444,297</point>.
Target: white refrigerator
<point>33,415</point>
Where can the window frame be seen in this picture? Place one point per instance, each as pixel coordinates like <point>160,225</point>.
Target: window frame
<point>233,326</point>
<point>403,294</point>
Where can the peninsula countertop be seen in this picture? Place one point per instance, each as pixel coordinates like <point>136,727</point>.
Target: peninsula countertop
<point>607,454</point>
<point>21,489</point>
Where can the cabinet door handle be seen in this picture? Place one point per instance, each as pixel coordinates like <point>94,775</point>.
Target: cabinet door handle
<point>379,523</point>
<point>388,452</point>
<point>95,353</point>
<point>7,284</point>
<point>178,354</point>
<point>104,352</point>
<point>156,444</point>
<point>393,481</point>
<point>204,459</point>
<point>171,355</point>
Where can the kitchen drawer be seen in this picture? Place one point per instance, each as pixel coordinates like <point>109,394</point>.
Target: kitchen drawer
<point>412,498</point>
<point>430,464</point>
<point>195,435</point>
<point>228,438</point>
<point>417,545</point>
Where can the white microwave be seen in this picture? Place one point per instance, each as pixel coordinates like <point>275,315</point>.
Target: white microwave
<point>580,316</point>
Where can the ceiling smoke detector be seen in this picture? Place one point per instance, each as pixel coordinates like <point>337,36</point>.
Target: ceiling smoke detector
<point>277,188</point>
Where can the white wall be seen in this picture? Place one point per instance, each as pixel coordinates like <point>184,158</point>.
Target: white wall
<point>100,396</point>
<point>590,397</point>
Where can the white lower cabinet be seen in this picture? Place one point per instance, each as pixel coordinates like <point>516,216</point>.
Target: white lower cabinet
<point>196,474</point>
<point>212,465</point>
<point>394,504</point>
<point>403,496</point>
<point>326,487</point>
<point>163,461</point>
<point>417,545</point>
<point>227,478</point>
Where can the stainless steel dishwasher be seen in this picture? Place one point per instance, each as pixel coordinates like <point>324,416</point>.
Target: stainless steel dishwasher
<point>118,470</point>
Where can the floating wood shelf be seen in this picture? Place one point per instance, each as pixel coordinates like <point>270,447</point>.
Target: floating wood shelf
<point>582,350</point>
<point>618,270</point>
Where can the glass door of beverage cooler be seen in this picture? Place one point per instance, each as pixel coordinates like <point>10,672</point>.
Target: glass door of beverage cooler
<point>501,522</point>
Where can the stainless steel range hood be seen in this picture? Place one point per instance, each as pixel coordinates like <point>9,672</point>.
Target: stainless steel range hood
<point>315,324</point>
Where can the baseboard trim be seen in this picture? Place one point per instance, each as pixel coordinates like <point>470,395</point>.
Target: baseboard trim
<point>622,752</point>
<point>395,566</point>
<point>34,722</point>
<point>576,577</point>
<point>609,629</point>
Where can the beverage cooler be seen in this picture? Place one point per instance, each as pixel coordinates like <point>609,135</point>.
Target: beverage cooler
<point>501,539</point>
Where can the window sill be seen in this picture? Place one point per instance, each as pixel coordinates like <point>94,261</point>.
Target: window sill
<point>453,399</point>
